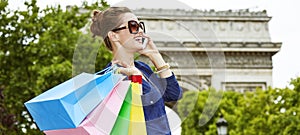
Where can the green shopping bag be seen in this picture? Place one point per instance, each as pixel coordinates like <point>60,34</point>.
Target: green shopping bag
<point>131,118</point>
<point>122,123</point>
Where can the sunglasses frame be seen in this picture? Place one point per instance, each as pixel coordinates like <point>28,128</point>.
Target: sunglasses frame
<point>129,27</point>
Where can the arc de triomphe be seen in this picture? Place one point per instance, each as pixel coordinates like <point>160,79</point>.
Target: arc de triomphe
<point>188,39</point>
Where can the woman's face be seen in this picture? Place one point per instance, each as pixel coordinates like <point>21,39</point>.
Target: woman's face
<point>130,42</point>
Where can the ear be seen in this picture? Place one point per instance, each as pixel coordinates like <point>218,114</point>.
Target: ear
<point>113,36</point>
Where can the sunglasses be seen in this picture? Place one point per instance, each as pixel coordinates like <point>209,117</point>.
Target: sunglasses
<point>133,27</point>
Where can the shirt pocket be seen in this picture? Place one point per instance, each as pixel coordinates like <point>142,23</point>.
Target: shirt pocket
<point>150,95</point>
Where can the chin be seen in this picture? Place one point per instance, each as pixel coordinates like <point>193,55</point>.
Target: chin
<point>139,45</point>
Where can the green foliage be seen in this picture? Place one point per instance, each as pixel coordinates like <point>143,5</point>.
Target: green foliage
<point>37,52</point>
<point>89,52</point>
<point>273,111</point>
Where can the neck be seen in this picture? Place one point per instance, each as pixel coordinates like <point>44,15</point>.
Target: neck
<point>124,57</point>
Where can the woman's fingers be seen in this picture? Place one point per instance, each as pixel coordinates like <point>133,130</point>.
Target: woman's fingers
<point>129,71</point>
<point>125,68</point>
<point>114,62</point>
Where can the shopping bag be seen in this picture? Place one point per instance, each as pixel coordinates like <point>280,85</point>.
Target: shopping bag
<point>137,125</point>
<point>101,120</point>
<point>131,116</point>
<point>66,105</point>
<point>122,123</point>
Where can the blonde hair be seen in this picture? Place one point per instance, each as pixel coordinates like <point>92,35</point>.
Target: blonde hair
<point>105,21</point>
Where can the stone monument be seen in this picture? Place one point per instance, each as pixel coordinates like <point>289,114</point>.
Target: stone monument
<point>188,38</point>
<point>228,50</point>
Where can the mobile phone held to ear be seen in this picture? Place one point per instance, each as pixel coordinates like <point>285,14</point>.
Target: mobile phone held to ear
<point>145,42</point>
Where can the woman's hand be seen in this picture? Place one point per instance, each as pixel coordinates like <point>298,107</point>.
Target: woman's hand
<point>150,48</point>
<point>126,69</point>
<point>153,54</point>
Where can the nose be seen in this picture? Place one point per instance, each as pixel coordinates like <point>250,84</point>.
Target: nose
<point>140,32</point>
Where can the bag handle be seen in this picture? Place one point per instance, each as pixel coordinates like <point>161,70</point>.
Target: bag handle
<point>112,68</point>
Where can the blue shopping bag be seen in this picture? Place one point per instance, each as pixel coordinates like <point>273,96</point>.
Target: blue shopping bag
<point>67,104</point>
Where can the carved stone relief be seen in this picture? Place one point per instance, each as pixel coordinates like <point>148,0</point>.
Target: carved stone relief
<point>198,82</point>
<point>233,60</point>
<point>223,26</point>
<point>170,25</point>
<point>152,25</point>
<point>243,86</point>
<point>225,30</point>
<point>205,26</point>
<point>256,27</point>
<point>248,60</point>
<point>239,26</point>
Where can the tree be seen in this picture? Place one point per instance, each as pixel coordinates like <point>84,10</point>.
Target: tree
<point>272,111</point>
<point>36,53</point>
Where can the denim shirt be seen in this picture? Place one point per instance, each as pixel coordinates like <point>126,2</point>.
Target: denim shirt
<point>156,91</point>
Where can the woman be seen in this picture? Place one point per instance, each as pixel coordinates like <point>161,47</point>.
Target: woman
<point>123,35</point>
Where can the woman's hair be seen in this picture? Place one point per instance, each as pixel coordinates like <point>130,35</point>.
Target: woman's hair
<point>105,21</point>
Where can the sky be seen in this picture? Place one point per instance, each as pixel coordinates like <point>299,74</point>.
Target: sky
<point>283,27</point>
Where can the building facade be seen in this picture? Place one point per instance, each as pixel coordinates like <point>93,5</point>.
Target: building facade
<point>228,50</point>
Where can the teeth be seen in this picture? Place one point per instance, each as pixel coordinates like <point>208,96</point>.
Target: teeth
<point>138,39</point>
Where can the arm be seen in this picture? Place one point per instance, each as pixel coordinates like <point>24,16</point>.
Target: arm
<point>167,82</point>
<point>168,87</point>
<point>153,54</point>
<point>173,91</point>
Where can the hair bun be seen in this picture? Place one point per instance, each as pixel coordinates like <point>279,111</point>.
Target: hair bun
<point>95,15</point>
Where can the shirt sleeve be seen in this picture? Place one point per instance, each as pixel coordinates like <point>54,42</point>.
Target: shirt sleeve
<point>168,87</point>
<point>173,91</point>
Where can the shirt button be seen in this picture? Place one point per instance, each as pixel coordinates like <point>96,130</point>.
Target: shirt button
<point>151,102</point>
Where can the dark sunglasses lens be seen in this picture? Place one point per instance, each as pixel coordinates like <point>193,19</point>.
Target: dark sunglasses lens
<point>133,26</point>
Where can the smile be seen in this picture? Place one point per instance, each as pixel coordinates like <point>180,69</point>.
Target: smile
<point>138,39</point>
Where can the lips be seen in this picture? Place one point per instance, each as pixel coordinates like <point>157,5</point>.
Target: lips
<point>138,39</point>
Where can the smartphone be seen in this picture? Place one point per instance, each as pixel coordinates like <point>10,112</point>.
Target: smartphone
<point>145,42</point>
